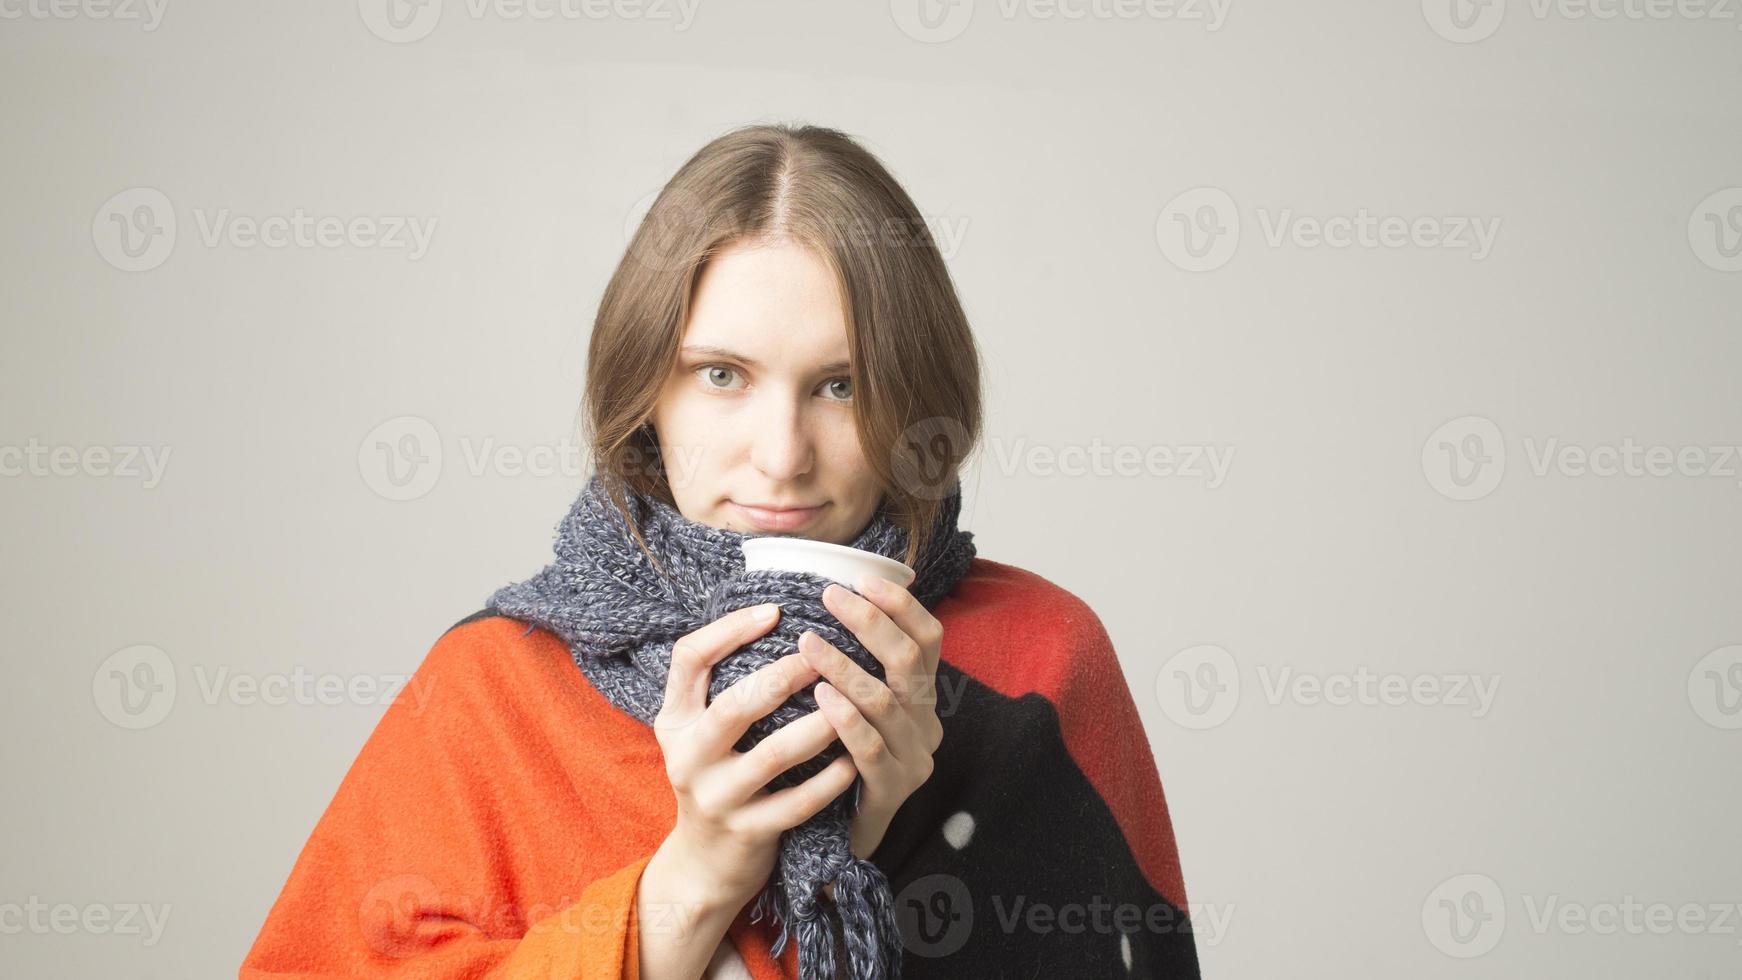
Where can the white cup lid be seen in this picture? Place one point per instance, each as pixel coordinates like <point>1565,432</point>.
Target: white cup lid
<point>836,561</point>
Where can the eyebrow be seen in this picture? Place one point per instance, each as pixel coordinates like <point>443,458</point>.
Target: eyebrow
<point>709,350</point>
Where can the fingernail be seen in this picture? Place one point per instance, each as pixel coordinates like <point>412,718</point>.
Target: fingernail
<point>870,583</point>
<point>766,611</point>
<point>807,642</point>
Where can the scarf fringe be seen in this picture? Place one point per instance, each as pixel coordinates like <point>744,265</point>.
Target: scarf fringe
<point>863,922</point>
<point>872,935</point>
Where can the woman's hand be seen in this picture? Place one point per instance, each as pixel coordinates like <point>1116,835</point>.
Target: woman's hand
<point>726,838</point>
<point>890,729</point>
<point>727,833</point>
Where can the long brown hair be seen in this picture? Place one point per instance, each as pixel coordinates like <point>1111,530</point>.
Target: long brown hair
<point>915,367</point>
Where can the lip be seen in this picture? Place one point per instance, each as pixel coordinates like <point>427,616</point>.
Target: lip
<point>778,518</point>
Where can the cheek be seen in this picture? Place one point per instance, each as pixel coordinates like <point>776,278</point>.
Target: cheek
<point>854,482</point>
<point>689,445</point>
<point>688,420</point>
<point>841,452</point>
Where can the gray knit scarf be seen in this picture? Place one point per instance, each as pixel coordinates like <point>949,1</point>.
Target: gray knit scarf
<point>621,617</point>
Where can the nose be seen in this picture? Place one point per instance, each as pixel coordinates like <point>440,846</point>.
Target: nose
<point>781,447</point>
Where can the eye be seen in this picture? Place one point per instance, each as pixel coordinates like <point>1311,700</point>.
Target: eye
<point>836,384</point>
<point>713,373</point>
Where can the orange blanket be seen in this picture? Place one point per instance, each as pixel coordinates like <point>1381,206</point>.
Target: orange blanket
<point>496,822</point>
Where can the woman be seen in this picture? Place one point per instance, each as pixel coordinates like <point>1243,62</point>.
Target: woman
<point>627,766</point>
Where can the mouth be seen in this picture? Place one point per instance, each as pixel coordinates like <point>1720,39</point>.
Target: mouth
<point>777,518</point>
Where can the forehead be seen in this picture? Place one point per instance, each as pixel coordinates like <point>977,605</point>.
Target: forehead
<point>778,297</point>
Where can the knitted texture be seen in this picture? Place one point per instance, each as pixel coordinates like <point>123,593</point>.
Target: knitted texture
<point>621,616</point>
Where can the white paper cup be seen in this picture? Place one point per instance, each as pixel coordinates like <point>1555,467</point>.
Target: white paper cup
<point>836,561</point>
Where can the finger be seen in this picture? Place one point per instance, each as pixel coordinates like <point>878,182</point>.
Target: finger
<point>693,658</point>
<point>870,696</point>
<point>907,658</point>
<point>790,745</point>
<point>871,751</point>
<point>875,628</point>
<point>908,613</point>
<point>752,697</point>
<point>789,807</point>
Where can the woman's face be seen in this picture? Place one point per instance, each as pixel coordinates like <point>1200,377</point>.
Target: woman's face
<point>758,414</point>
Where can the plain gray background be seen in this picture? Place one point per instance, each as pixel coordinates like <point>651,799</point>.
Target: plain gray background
<point>1399,506</point>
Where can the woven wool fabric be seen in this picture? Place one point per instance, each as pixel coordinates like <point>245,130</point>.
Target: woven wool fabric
<point>499,816</point>
<point>621,614</point>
